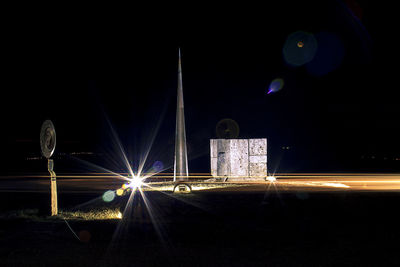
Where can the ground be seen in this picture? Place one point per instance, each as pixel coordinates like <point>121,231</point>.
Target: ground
<point>206,228</point>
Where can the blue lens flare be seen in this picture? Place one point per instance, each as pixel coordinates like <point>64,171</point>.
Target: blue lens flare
<point>329,55</point>
<point>276,85</point>
<point>158,166</point>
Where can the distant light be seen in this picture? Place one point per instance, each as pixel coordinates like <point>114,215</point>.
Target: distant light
<point>108,196</point>
<point>119,215</point>
<point>271,179</point>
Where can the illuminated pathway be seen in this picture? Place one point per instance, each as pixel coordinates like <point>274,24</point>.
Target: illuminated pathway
<point>97,182</point>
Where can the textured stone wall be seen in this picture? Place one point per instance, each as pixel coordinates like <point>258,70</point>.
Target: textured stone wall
<point>258,157</point>
<point>223,156</point>
<point>214,156</point>
<point>239,158</point>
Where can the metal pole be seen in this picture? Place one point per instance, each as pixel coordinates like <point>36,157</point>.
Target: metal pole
<point>53,179</point>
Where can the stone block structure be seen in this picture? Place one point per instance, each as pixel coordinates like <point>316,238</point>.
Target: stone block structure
<point>239,158</point>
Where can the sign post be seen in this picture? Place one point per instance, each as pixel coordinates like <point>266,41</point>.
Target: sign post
<point>48,145</point>
<point>54,208</point>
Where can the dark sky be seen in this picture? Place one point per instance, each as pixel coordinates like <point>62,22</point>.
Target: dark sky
<point>81,67</point>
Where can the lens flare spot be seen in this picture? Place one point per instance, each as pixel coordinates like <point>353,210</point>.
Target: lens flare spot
<point>108,196</point>
<point>299,48</point>
<point>329,55</point>
<point>300,44</point>
<point>227,128</point>
<point>120,192</point>
<point>275,85</point>
<point>158,166</point>
<point>271,179</point>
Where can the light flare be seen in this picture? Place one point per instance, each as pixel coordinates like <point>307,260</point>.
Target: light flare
<point>135,182</point>
<point>119,192</point>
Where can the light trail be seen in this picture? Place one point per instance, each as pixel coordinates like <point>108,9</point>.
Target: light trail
<point>286,182</point>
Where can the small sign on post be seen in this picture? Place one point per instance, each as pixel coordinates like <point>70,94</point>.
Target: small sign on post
<point>48,145</point>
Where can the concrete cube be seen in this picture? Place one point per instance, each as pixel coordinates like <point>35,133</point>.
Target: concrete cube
<point>239,158</point>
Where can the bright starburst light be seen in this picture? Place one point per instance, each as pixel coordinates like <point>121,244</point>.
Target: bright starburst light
<point>135,183</point>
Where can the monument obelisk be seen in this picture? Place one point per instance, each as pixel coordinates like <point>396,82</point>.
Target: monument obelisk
<point>180,162</point>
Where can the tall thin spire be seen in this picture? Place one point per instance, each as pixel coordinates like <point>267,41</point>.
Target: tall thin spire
<point>180,164</point>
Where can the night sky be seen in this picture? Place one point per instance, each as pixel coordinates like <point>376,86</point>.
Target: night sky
<point>80,70</point>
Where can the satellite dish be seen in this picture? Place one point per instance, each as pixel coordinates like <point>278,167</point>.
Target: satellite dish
<point>47,139</point>
<point>227,128</point>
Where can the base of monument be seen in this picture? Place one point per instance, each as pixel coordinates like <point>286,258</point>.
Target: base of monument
<point>182,188</point>
<point>238,179</point>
